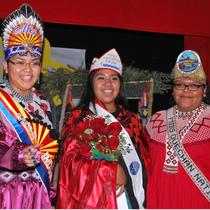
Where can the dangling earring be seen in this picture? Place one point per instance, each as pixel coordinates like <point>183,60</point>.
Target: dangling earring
<point>5,77</point>
<point>38,84</point>
<point>38,81</point>
<point>205,98</point>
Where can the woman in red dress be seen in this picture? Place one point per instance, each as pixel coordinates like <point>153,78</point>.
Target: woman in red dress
<point>89,178</point>
<point>179,142</point>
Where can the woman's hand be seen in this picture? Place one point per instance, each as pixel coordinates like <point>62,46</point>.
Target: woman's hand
<point>31,155</point>
<point>121,180</point>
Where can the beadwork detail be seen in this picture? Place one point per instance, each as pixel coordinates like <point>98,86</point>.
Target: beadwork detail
<point>171,160</point>
<point>189,114</point>
<point>26,99</point>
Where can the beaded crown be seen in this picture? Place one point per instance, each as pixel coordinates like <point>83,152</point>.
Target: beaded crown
<point>189,65</point>
<point>22,32</point>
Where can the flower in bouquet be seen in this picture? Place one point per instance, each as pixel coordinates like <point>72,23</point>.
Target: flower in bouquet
<point>99,139</point>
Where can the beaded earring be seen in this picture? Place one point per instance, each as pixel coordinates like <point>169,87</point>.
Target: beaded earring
<point>38,81</point>
<point>205,99</point>
<point>5,77</point>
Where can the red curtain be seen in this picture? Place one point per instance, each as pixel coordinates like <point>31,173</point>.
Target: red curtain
<point>188,17</point>
<point>202,46</point>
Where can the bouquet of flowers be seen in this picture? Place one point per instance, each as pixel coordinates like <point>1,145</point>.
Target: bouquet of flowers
<point>100,139</point>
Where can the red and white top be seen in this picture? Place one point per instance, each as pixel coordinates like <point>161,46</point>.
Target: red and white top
<point>171,187</point>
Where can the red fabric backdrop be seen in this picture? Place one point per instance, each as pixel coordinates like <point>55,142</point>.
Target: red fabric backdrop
<point>188,17</point>
<point>202,46</point>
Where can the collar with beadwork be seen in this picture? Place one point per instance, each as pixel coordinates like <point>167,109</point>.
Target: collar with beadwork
<point>27,99</point>
<point>189,114</point>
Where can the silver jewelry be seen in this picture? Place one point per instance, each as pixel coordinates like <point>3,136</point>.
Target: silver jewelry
<point>27,99</point>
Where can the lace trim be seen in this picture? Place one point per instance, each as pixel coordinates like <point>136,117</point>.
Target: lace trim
<point>27,99</point>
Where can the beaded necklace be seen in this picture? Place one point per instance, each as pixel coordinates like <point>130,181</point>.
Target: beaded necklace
<point>189,114</point>
<point>27,99</point>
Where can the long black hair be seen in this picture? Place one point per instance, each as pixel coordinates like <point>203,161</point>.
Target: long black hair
<point>88,94</point>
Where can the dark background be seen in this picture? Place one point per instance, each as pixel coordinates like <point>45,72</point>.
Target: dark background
<point>146,50</point>
<point>153,51</point>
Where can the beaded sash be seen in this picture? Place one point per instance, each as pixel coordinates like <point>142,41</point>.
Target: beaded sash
<point>171,159</point>
<point>189,166</point>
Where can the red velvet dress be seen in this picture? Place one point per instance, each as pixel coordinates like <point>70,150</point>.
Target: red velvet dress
<point>177,190</point>
<point>86,183</point>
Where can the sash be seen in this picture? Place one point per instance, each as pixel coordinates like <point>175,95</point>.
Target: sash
<point>131,159</point>
<point>15,113</point>
<point>171,159</point>
<point>190,167</point>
